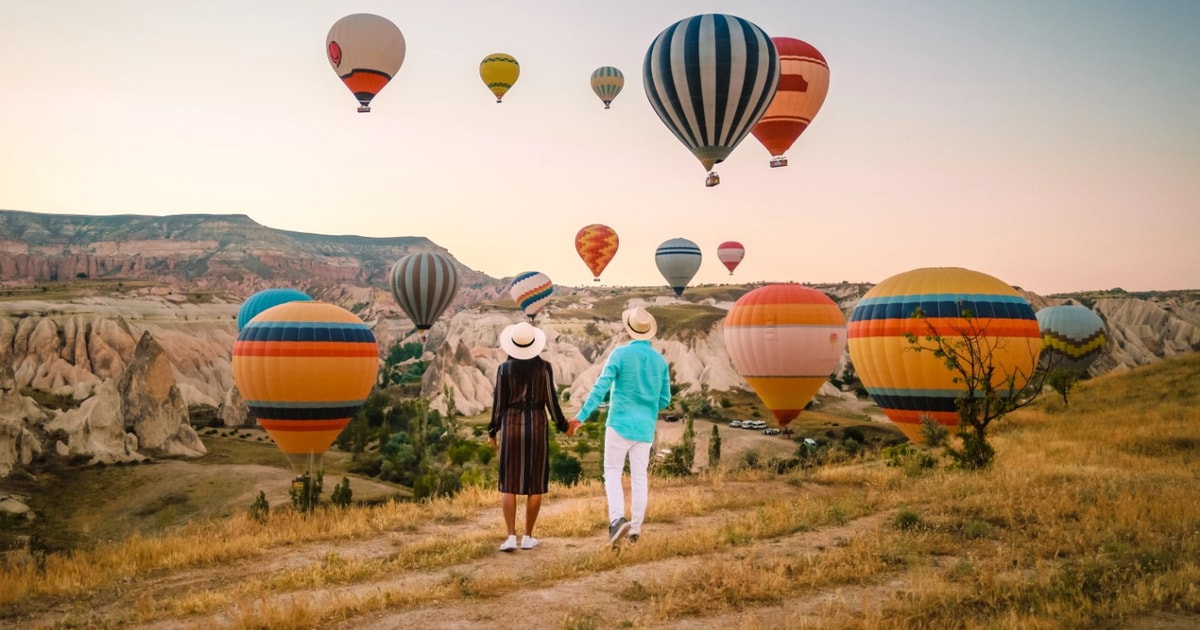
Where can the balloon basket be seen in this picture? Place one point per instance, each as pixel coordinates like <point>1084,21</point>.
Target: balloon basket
<point>778,161</point>
<point>364,109</point>
<point>712,180</point>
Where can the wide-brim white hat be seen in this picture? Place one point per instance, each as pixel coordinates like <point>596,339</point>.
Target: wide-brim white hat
<point>639,323</point>
<point>522,340</point>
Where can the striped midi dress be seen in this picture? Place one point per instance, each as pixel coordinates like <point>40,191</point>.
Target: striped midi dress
<point>524,402</point>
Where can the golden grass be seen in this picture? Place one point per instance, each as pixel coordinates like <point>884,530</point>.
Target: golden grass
<point>1089,518</point>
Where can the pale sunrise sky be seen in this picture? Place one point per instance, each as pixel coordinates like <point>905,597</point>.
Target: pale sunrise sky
<point>1054,144</point>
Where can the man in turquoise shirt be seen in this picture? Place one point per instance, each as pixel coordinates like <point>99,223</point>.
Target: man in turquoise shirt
<point>640,384</point>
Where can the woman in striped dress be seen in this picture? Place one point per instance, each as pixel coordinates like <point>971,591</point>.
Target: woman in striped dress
<point>525,400</point>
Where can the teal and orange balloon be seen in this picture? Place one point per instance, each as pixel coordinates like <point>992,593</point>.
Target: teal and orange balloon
<point>785,340</point>
<point>953,302</point>
<point>607,82</point>
<point>264,300</point>
<point>596,244</point>
<point>1073,336</point>
<point>531,290</point>
<point>304,369</point>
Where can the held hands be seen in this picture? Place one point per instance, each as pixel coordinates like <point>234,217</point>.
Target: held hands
<point>573,426</point>
<point>492,442</point>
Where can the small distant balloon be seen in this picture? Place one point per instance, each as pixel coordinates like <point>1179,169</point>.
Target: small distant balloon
<point>499,72</point>
<point>678,260</point>
<point>607,82</point>
<point>264,300</point>
<point>596,244</point>
<point>730,253</point>
<point>1073,336</point>
<point>366,51</point>
<point>531,290</point>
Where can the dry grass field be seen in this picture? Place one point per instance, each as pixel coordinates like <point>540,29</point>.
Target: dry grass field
<point>1089,519</point>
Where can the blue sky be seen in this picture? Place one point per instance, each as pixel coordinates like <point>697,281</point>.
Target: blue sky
<point>1054,145</point>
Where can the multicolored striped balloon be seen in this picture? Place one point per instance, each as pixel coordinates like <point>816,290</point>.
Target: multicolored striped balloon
<point>424,285</point>
<point>908,384</point>
<point>785,340</point>
<point>304,369</point>
<point>710,78</point>
<point>1072,337</point>
<point>803,84</point>
<point>678,260</point>
<point>264,300</point>
<point>366,51</point>
<point>531,290</point>
<point>607,82</point>
<point>596,244</point>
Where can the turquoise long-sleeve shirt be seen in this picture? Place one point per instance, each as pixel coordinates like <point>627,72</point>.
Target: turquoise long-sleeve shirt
<point>640,382</point>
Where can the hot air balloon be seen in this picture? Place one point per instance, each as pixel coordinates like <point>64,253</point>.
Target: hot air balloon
<point>803,84</point>
<point>730,253</point>
<point>607,82</point>
<point>366,51</point>
<point>596,245</point>
<point>954,302</point>
<point>710,78</point>
<point>264,300</point>
<point>785,340</point>
<point>531,290</point>
<point>499,72</point>
<point>1072,337</point>
<point>304,368</point>
<point>424,285</point>
<point>678,260</point>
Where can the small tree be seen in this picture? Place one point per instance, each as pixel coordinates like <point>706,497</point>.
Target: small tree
<point>1062,380</point>
<point>714,449</point>
<point>306,491</point>
<point>342,494</point>
<point>687,449</point>
<point>990,390</point>
<point>260,510</point>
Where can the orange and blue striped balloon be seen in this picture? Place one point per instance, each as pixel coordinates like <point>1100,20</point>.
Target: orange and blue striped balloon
<point>785,340</point>
<point>304,369</point>
<point>954,302</point>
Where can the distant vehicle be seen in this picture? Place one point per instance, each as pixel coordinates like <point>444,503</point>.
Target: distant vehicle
<point>754,424</point>
<point>771,431</point>
<point>736,424</point>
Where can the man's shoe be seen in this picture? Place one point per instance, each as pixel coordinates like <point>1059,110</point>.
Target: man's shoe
<point>529,542</point>
<point>509,544</point>
<point>616,530</point>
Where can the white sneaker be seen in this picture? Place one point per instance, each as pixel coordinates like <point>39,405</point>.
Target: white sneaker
<point>529,542</point>
<point>509,544</point>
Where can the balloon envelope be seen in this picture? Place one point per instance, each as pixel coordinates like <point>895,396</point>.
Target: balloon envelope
<point>366,51</point>
<point>607,82</point>
<point>531,290</point>
<point>499,72</point>
<point>710,78</point>
<point>730,253</point>
<point>803,84</point>
<point>264,300</point>
<point>304,368</point>
<point>424,285</point>
<point>596,244</point>
<point>955,302</point>
<point>678,260</point>
<point>785,340</point>
<point>1072,337</point>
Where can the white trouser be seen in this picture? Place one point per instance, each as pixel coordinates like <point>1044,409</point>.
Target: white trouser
<point>616,448</point>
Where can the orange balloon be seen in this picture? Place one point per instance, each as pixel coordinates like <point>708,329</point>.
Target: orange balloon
<point>596,244</point>
<point>803,84</point>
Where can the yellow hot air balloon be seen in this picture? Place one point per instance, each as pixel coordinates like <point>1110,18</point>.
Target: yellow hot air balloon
<point>953,302</point>
<point>607,82</point>
<point>499,72</point>
<point>366,51</point>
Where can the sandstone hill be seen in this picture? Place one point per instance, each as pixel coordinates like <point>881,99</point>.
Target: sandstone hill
<point>86,302</point>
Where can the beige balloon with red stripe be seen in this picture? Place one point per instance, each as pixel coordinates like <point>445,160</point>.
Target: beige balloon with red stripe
<point>366,51</point>
<point>803,85</point>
